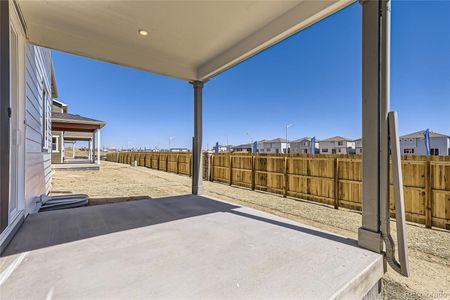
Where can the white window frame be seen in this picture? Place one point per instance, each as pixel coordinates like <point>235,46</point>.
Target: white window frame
<point>57,144</point>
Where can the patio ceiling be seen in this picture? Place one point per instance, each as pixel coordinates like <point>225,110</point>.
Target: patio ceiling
<point>191,40</point>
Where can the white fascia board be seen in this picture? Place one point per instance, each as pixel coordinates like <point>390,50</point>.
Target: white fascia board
<point>298,18</point>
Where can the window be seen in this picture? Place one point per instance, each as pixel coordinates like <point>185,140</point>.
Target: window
<point>55,144</point>
<point>340,143</point>
<point>325,150</point>
<point>44,125</point>
<point>434,151</point>
<point>408,151</point>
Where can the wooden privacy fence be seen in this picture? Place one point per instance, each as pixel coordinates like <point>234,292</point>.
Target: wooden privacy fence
<point>330,179</point>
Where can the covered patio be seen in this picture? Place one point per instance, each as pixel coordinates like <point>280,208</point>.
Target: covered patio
<point>183,247</point>
<point>68,129</point>
<point>193,246</point>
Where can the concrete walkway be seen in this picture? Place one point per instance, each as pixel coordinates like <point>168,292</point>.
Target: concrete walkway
<point>180,247</point>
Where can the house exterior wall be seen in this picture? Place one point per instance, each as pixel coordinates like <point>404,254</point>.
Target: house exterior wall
<point>302,147</point>
<point>333,147</point>
<point>38,129</point>
<point>358,147</point>
<point>418,144</point>
<point>273,148</point>
<point>56,154</point>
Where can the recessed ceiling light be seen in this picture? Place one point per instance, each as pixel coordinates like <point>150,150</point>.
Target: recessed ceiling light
<point>143,32</point>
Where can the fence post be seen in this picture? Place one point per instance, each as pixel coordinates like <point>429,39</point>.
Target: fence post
<point>178,164</point>
<point>285,175</point>
<point>190,165</point>
<point>231,169</point>
<point>336,183</point>
<point>428,193</point>
<point>253,173</point>
<point>208,173</point>
<point>167,162</point>
<point>212,167</point>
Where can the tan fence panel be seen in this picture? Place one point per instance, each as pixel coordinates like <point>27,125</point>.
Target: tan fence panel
<point>184,163</point>
<point>269,173</point>
<point>331,179</point>
<point>221,167</point>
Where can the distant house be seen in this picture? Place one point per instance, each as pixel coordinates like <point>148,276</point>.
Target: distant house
<point>302,146</point>
<point>179,149</point>
<point>414,144</point>
<point>276,146</point>
<point>358,146</point>
<point>337,145</point>
<point>242,148</point>
<point>221,148</point>
<point>68,128</point>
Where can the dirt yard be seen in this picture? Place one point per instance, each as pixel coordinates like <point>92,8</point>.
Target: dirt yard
<point>429,249</point>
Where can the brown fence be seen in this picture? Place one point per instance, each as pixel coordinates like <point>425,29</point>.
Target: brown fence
<point>330,179</point>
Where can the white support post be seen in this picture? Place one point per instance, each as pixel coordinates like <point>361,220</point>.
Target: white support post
<point>197,178</point>
<point>89,150</point>
<point>98,146</point>
<point>93,148</point>
<point>61,152</point>
<point>375,108</point>
<point>73,150</point>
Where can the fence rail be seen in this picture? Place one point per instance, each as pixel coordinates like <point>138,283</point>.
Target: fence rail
<point>330,179</point>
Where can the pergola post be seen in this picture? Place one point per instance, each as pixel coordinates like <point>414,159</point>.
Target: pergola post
<point>5,114</point>
<point>98,146</point>
<point>197,180</point>
<point>93,148</point>
<point>61,152</point>
<point>375,108</point>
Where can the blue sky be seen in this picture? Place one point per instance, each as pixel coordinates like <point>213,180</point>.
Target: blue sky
<point>312,80</point>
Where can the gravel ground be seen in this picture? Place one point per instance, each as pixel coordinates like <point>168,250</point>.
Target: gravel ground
<point>429,249</point>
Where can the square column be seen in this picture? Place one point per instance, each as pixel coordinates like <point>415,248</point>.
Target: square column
<point>93,148</point>
<point>61,152</point>
<point>375,108</point>
<point>197,179</point>
<point>98,146</point>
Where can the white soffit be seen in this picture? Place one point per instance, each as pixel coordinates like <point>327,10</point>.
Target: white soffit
<point>191,40</point>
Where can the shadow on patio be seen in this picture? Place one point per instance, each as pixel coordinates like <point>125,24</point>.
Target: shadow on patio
<point>63,226</point>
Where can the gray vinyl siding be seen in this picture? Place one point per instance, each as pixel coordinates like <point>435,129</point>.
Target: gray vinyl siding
<point>37,159</point>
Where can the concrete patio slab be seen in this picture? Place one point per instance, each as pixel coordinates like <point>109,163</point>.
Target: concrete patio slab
<point>180,247</point>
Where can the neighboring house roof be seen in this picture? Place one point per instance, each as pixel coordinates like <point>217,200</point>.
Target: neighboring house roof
<point>357,140</point>
<point>420,134</point>
<point>307,138</point>
<point>336,139</point>
<point>277,140</point>
<point>59,103</point>
<point>243,146</point>
<point>71,118</point>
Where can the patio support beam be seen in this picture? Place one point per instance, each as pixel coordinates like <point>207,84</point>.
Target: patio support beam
<point>62,147</point>
<point>375,108</point>
<point>98,146</point>
<point>5,114</point>
<point>197,180</point>
<point>94,141</point>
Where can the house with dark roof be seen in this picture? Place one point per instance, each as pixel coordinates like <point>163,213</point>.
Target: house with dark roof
<point>303,146</point>
<point>414,143</point>
<point>337,145</point>
<point>68,129</point>
<point>358,146</point>
<point>277,145</point>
